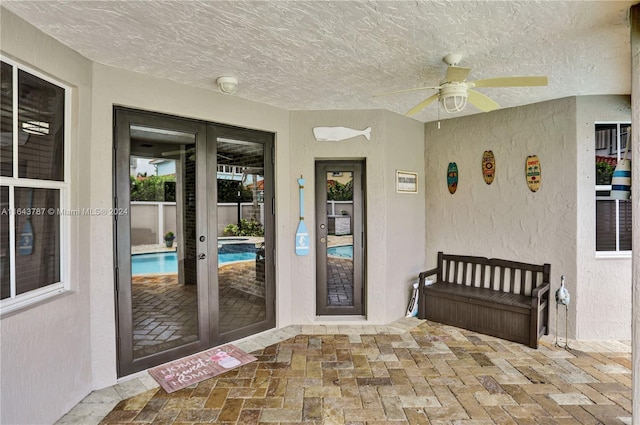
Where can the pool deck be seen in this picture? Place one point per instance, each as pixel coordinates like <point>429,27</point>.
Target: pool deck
<point>148,249</point>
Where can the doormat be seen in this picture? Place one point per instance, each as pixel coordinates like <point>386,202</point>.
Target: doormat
<point>195,368</point>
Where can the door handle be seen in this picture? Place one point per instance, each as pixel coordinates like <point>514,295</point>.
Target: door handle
<point>202,256</point>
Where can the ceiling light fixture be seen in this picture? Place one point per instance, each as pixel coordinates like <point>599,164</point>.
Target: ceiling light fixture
<point>228,85</point>
<point>453,97</point>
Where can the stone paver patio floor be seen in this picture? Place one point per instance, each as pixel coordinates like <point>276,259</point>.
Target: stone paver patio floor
<point>424,374</point>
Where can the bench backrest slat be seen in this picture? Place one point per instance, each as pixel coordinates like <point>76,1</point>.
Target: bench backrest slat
<point>504,287</point>
<point>500,275</point>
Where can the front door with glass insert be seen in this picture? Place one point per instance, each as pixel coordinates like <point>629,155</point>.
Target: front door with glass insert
<point>191,249</point>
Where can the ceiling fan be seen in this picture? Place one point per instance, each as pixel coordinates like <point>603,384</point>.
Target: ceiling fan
<point>454,92</point>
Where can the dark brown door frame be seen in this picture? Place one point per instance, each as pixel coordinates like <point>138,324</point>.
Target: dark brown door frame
<point>357,167</point>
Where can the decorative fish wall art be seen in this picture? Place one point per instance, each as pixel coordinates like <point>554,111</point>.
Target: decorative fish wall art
<point>337,134</point>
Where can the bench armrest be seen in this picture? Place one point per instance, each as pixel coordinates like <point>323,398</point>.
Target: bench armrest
<point>540,290</point>
<point>421,294</point>
<point>424,275</point>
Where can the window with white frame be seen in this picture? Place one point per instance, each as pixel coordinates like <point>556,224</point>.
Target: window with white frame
<point>33,186</point>
<point>613,216</point>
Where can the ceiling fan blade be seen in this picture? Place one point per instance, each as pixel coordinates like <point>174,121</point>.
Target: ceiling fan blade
<point>407,91</point>
<point>510,82</point>
<point>456,74</point>
<point>420,106</point>
<point>178,152</point>
<point>482,102</point>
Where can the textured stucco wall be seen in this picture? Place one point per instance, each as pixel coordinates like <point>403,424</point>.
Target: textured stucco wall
<point>395,224</point>
<point>45,364</point>
<point>599,317</point>
<point>505,219</point>
<point>114,86</point>
<point>555,224</point>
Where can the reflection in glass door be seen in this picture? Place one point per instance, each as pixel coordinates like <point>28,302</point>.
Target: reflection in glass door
<point>340,236</point>
<point>245,241</point>
<point>163,254</point>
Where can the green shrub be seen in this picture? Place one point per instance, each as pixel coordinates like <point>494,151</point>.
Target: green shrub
<point>340,192</point>
<point>153,188</point>
<point>228,191</point>
<point>246,228</point>
<point>604,172</point>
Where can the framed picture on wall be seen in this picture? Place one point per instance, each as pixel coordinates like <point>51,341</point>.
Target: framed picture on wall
<point>406,182</point>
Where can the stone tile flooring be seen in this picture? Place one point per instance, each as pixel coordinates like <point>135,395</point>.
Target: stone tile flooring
<point>410,372</point>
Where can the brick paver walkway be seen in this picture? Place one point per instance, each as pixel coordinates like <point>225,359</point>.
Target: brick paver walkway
<point>434,374</point>
<point>339,282</point>
<point>164,313</point>
<point>237,308</point>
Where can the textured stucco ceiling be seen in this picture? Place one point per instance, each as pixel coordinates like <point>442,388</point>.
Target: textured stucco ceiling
<point>337,54</point>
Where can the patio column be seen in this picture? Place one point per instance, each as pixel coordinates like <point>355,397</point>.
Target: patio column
<point>635,148</point>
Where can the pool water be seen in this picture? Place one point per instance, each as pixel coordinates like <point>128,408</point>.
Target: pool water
<point>167,262</point>
<point>343,251</point>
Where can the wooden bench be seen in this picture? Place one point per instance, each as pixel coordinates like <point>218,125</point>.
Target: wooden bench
<point>506,299</point>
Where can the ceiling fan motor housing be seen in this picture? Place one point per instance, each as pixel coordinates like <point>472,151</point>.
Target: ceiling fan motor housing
<point>453,97</point>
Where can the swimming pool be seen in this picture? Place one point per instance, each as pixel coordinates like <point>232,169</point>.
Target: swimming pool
<point>342,251</point>
<point>167,262</point>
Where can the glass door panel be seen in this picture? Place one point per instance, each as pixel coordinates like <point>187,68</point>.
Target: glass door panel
<point>164,276</point>
<point>339,239</point>
<point>241,234</point>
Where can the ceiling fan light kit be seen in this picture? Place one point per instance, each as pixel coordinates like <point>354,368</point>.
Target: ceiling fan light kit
<point>228,85</point>
<point>453,97</point>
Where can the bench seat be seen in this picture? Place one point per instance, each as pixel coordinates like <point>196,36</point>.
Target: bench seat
<point>502,298</point>
<point>482,294</point>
